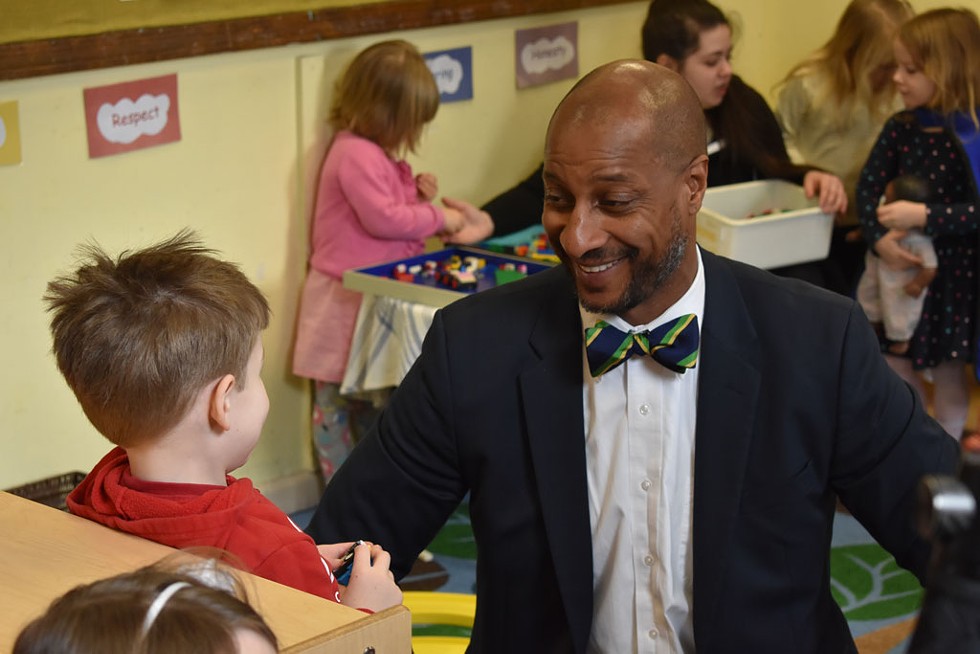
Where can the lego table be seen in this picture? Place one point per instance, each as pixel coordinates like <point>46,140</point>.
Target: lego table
<point>389,330</point>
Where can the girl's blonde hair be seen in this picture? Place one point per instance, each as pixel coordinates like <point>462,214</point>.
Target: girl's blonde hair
<point>857,62</point>
<point>945,45</point>
<point>386,95</point>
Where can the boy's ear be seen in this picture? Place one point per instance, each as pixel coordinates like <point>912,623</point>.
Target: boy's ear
<point>219,407</point>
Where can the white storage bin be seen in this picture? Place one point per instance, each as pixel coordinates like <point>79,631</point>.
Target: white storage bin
<point>768,223</point>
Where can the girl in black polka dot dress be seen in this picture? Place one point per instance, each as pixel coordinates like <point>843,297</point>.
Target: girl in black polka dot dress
<point>936,138</point>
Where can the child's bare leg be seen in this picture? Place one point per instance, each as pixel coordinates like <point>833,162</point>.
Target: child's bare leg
<point>904,369</point>
<point>951,400</point>
<point>898,347</point>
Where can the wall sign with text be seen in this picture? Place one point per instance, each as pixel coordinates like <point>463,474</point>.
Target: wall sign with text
<point>453,70</point>
<point>132,115</point>
<point>546,54</point>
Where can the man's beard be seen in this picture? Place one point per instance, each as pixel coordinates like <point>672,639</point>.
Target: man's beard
<point>648,275</point>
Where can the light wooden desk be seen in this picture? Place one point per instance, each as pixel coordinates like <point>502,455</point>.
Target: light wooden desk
<point>45,552</point>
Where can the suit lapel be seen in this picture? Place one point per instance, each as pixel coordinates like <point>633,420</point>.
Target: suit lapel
<point>727,394</point>
<point>551,388</point>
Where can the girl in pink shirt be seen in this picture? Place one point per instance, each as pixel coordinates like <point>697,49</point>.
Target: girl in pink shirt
<point>370,208</point>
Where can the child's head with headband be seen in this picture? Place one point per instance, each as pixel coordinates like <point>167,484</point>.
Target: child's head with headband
<point>153,610</point>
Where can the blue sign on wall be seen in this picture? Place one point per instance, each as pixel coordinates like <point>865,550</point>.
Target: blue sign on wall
<point>453,70</point>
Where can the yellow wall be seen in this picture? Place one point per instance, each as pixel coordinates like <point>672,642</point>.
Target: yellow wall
<point>252,135</point>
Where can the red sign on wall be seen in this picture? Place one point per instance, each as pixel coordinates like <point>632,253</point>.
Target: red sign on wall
<point>131,115</point>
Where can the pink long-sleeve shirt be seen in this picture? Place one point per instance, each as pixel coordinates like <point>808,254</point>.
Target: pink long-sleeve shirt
<point>367,212</point>
<point>367,209</point>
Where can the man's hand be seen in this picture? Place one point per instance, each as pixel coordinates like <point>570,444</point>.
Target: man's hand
<point>477,224</point>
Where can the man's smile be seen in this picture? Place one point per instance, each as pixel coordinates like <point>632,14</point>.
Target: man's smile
<point>600,267</point>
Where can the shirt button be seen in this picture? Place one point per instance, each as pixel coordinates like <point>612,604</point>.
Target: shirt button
<point>648,560</point>
<point>645,484</point>
<point>644,409</point>
<point>654,633</point>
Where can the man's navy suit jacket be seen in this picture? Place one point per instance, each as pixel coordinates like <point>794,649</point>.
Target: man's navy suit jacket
<point>796,408</point>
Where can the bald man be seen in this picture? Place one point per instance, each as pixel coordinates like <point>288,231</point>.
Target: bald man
<point>675,492</point>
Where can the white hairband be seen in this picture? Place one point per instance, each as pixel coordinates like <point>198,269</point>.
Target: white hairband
<point>209,573</point>
<point>159,602</point>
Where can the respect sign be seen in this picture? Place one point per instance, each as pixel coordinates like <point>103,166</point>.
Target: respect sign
<point>131,115</point>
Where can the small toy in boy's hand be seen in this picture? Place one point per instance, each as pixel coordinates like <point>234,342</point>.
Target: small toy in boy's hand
<point>342,573</point>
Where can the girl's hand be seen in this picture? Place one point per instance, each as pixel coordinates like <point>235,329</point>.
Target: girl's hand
<point>427,186</point>
<point>828,188</point>
<point>372,585</point>
<point>902,214</point>
<point>477,224</point>
<point>892,254</point>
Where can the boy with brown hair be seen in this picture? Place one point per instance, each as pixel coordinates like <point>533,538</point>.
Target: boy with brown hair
<point>162,348</point>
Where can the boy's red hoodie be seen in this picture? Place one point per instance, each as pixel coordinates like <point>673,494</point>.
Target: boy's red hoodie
<point>235,518</point>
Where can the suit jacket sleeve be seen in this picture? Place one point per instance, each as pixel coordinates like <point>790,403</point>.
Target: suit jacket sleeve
<point>886,443</point>
<point>400,484</point>
<point>796,409</point>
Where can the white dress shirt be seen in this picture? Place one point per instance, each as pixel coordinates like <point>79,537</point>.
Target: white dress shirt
<point>639,436</point>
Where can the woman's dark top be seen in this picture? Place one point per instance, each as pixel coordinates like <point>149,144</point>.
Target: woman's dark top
<point>753,149</point>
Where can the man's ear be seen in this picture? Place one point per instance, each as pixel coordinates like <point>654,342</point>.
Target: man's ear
<point>696,183</point>
<point>667,61</point>
<point>219,406</point>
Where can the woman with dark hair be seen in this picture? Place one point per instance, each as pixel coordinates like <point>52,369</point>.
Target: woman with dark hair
<point>745,142</point>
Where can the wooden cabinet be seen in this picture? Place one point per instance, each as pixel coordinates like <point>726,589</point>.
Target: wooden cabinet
<point>44,552</point>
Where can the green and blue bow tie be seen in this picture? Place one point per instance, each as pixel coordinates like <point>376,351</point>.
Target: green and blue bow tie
<point>673,345</point>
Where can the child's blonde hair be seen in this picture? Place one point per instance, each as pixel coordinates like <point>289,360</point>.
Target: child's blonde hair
<point>137,337</point>
<point>386,95</point>
<point>945,45</point>
<point>857,61</point>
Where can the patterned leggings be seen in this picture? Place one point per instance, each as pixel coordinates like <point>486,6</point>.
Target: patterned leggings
<point>340,421</point>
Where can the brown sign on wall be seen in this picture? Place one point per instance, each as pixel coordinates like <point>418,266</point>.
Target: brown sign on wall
<point>546,54</point>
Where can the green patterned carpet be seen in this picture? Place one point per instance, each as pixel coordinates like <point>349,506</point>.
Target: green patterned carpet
<point>874,593</point>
